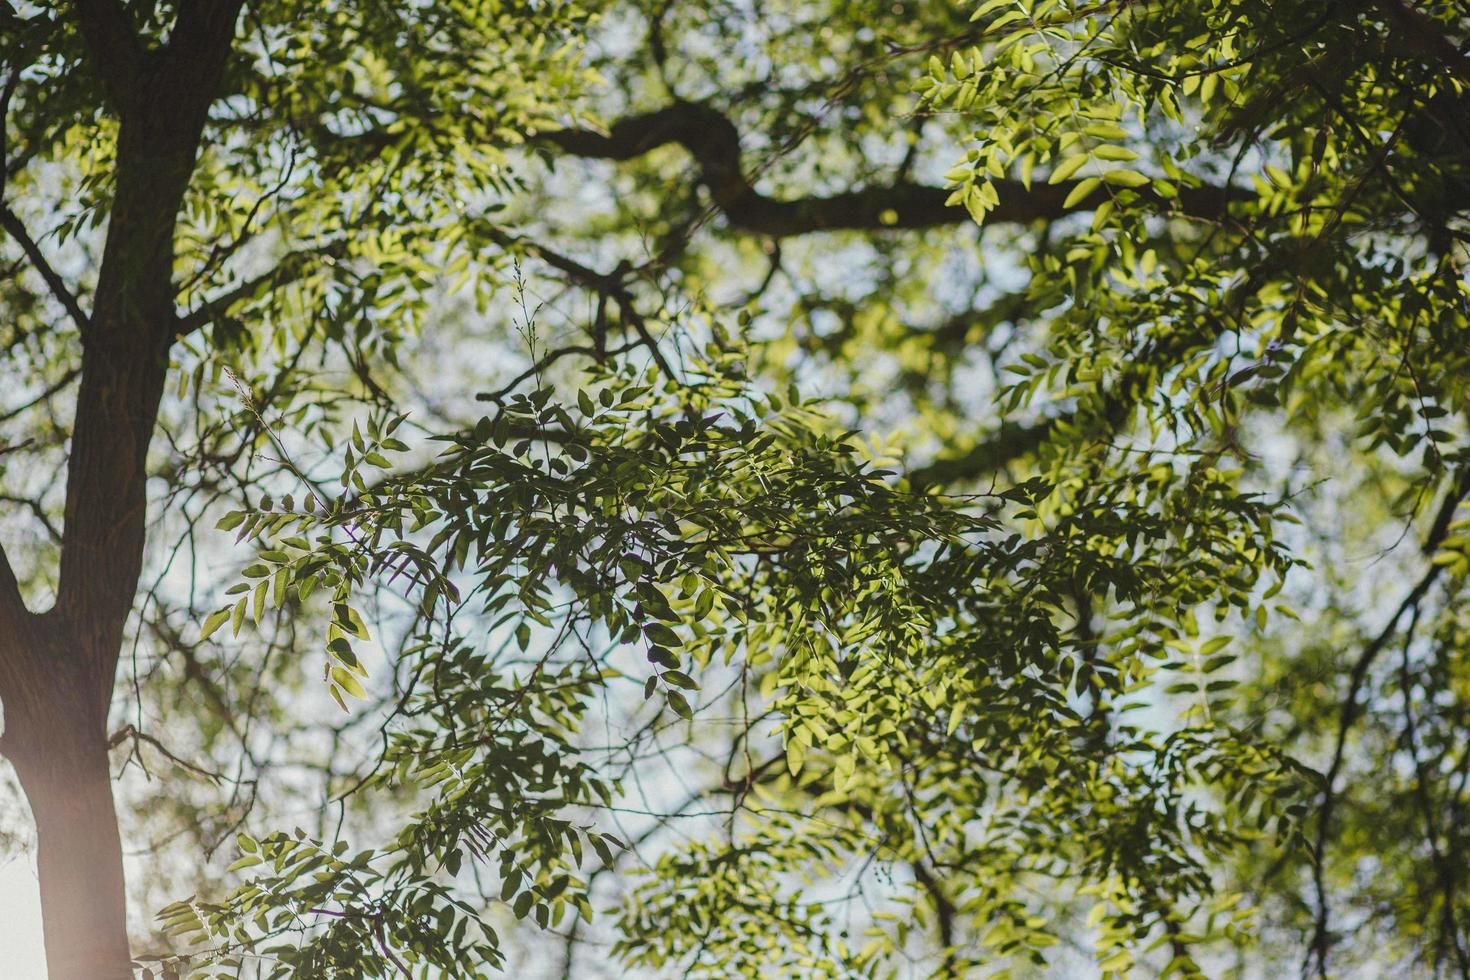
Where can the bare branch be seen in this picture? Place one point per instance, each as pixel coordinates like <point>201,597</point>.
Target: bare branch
<point>290,268</point>
<point>12,224</point>
<point>1351,710</point>
<point>49,391</point>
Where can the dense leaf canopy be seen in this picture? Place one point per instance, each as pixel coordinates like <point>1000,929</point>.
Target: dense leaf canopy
<point>724,488</point>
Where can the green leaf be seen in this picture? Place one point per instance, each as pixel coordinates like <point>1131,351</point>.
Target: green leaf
<point>795,756</point>
<point>662,635</point>
<point>213,622</point>
<point>348,682</point>
<point>680,679</point>
<point>237,617</point>
<point>1125,178</point>
<point>679,704</point>
<point>1066,168</point>
<point>1079,193</point>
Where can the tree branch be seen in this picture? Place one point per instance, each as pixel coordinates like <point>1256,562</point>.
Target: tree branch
<point>12,605</point>
<point>1009,443</point>
<point>611,286</point>
<point>12,224</point>
<point>117,53</point>
<point>206,26</point>
<point>290,268</point>
<point>16,678</point>
<point>1351,708</point>
<point>714,143</point>
<point>1425,35</point>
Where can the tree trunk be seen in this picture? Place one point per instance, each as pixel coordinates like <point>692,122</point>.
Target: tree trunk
<point>56,738</point>
<point>79,855</point>
<point>57,668</point>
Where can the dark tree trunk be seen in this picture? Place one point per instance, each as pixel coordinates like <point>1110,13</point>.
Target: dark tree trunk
<point>57,706</point>
<point>57,668</point>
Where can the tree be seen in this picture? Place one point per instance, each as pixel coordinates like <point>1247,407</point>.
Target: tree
<point>491,333</point>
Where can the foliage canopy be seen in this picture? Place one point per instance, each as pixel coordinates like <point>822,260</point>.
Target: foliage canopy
<point>818,488</point>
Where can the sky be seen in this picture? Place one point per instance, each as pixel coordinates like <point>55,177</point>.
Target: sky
<point>21,956</point>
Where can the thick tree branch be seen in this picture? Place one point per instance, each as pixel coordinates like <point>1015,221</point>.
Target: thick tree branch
<point>200,40</point>
<point>116,52</point>
<point>714,143</point>
<point>14,619</point>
